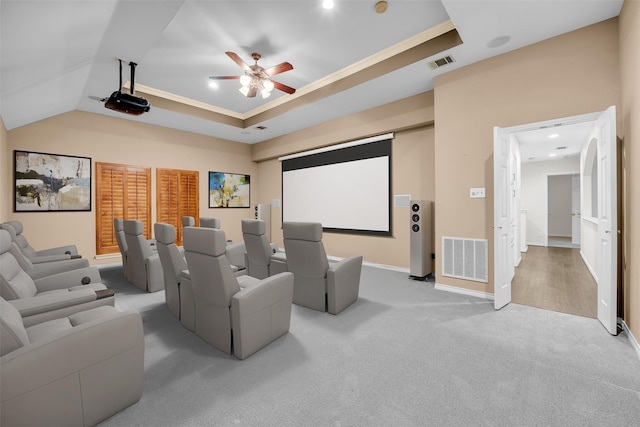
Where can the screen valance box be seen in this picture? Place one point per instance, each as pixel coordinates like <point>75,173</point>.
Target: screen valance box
<point>347,188</point>
<point>51,182</point>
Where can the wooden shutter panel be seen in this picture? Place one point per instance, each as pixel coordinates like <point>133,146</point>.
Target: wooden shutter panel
<point>177,196</point>
<point>122,191</point>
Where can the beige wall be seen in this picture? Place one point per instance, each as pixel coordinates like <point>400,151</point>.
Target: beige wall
<point>630,114</point>
<point>572,74</point>
<point>107,139</point>
<point>412,171</point>
<point>6,167</point>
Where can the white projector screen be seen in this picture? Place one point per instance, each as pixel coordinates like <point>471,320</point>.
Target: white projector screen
<point>346,190</point>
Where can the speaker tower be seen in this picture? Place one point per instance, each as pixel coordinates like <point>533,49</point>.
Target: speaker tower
<point>263,212</point>
<point>420,223</point>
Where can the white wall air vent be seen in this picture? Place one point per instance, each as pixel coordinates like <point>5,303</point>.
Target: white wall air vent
<point>465,259</point>
<point>442,61</point>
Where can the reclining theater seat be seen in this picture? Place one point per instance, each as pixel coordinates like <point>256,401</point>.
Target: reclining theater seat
<point>44,268</point>
<point>210,222</point>
<point>53,254</point>
<point>177,282</point>
<point>70,371</point>
<point>261,259</point>
<point>118,229</point>
<point>234,314</point>
<point>319,285</point>
<point>53,296</point>
<point>144,262</point>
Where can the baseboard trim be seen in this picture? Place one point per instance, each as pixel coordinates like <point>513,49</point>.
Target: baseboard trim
<point>455,289</point>
<point>632,339</point>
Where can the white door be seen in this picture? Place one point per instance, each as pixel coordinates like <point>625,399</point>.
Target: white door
<point>607,220</point>
<point>502,263</point>
<point>575,209</point>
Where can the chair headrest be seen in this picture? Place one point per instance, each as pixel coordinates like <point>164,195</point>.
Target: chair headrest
<point>9,229</point>
<point>118,224</point>
<point>5,241</point>
<point>188,221</point>
<point>165,233</point>
<point>17,225</point>
<point>210,222</point>
<point>133,226</point>
<point>254,226</point>
<point>208,241</point>
<point>311,231</point>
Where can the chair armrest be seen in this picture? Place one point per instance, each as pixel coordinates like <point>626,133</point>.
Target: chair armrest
<point>68,279</point>
<point>55,267</point>
<point>235,254</point>
<point>71,249</point>
<point>39,259</point>
<point>343,283</point>
<point>49,302</point>
<point>79,351</point>
<point>155,274</point>
<point>261,295</point>
<point>346,268</point>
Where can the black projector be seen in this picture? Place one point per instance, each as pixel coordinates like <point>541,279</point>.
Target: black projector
<point>128,104</point>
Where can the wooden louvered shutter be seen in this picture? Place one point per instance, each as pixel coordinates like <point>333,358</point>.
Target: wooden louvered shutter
<point>122,192</point>
<point>177,196</point>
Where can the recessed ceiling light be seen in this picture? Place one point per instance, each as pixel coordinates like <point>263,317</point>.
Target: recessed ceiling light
<point>553,154</point>
<point>554,135</point>
<point>328,4</point>
<point>213,85</point>
<point>499,41</point>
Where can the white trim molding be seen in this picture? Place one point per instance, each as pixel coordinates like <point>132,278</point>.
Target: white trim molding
<point>455,289</point>
<point>632,339</point>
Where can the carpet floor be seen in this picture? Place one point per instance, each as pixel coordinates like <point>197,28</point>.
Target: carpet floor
<point>405,354</point>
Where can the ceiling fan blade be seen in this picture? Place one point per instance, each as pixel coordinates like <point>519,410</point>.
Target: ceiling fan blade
<point>252,92</point>
<point>238,61</point>
<point>224,77</point>
<point>283,87</point>
<point>277,69</point>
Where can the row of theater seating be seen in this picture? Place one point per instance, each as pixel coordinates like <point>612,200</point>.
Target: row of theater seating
<point>53,304</point>
<point>67,356</point>
<point>206,293</point>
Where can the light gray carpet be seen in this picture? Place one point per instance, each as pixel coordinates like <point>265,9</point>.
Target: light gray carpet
<point>404,355</point>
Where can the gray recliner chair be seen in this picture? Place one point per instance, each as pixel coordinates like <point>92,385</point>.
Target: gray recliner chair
<point>144,262</point>
<point>118,229</point>
<point>319,285</point>
<point>177,281</point>
<point>261,259</point>
<point>210,222</point>
<point>53,254</point>
<point>44,268</point>
<point>234,314</point>
<point>70,371</point>
<point>53,296</point>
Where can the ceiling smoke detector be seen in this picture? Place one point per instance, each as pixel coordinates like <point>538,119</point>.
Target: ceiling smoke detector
<point>441,62</point>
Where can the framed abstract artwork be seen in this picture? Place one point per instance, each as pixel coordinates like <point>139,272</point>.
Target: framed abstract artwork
<point>229,190</point>
<point>51,182</point>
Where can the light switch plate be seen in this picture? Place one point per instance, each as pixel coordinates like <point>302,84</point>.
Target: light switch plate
<point>476,193</point>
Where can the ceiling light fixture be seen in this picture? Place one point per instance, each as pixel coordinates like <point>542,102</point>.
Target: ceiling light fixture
<point>328,4</point>
<point>381,6</point>
<point>552,155</point>
<point>554,135</point>
<point>260,84</point>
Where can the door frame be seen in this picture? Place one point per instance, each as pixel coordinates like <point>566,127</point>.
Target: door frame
<point>502,262</point>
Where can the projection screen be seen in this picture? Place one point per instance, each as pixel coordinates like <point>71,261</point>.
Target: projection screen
<point>346,188</point>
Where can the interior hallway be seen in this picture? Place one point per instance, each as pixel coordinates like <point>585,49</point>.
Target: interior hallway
<point>555,279</point>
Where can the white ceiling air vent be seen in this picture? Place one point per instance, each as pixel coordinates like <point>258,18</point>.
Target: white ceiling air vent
<point>441,62</point>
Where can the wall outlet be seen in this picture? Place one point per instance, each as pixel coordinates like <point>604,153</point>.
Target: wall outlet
<point>476,193</point>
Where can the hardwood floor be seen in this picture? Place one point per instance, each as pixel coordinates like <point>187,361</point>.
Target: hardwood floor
<point>555,279</point>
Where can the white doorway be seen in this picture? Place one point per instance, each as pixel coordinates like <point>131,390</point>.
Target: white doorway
<point>600,244</point>
<point>563,206</point>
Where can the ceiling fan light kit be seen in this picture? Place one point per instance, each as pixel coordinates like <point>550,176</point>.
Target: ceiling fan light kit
<point>256,78</point>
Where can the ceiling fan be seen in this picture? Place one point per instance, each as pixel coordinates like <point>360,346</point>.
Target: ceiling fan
<point>257,79</point>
